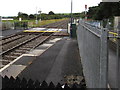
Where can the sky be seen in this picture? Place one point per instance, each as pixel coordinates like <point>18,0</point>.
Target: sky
<point>12,7</point>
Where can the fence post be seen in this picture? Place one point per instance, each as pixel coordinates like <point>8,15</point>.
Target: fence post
<point>104,59</point>
<point>118,55</point>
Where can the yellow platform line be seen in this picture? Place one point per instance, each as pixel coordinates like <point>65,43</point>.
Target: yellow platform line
<point>39,31</point>
<point>113,33</point>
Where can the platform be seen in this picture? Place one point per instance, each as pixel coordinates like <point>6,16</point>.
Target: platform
<point>9,32</point>
<point>45,30</point>
<point>59,62</point>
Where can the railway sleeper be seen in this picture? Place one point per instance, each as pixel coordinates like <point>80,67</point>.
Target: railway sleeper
<point>16,54</point>
<point>20,51</point>
<point>34,43</point>
<point>28,46</point>
<point>3,60</point>
<point>11,39</point>
<point>1,66</point>
<point>4,63</point>
<point>24,48</point>
<point>9,57</point>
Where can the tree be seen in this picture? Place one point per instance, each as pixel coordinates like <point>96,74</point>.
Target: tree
<point>105,10</point>
<point>19,13</point>
<point>24,16</point>
<point>51,13</point>
<point>92,11</point>
<point>31,16</point>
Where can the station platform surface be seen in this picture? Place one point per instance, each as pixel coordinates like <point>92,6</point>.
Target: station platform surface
<point>9,32</point>
<point>45,30</point>
<point>60,61</point>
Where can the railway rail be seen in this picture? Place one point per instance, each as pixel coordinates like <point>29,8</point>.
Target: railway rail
<point>14,40</point>
<point>21,48</point>
<point>17,44</point>
<point>60,24</point>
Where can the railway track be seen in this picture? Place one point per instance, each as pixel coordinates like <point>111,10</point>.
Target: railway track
<point>23,47</point>
<point>61,24</point>
<point>12,41</point>
<point>20,43</point>
<point>10,36</point>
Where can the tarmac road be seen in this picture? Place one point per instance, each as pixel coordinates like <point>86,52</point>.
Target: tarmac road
<point>9,32</point>
<point>61,60</point>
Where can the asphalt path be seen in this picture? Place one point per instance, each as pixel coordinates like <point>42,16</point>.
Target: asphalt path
<point>9,32</point>
<point>61,60</point>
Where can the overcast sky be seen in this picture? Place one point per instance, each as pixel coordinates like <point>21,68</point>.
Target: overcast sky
<point>12,7</point>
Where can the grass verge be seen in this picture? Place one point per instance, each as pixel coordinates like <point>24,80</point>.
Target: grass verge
<point>43,22</point>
